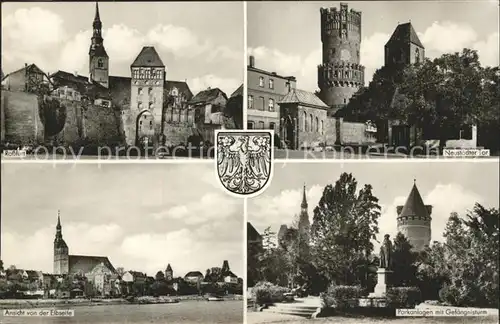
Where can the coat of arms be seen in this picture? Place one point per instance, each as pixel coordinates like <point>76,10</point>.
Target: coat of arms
<point>244,160</point>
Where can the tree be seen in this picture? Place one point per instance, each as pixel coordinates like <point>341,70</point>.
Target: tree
<point>216,274</point>
<point>254,255</point>
<point>120,271</point>
<point>446,93</point>
<point>52,114</point>
<point>467,264</point>
<point>403,262</point>
<point>344,223</point>
<point>160,276</point>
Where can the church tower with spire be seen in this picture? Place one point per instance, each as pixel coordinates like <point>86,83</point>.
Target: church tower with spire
<point>98,58</point>
<point>304,225</point>
<point>414,220</point>
<point>61,251</point>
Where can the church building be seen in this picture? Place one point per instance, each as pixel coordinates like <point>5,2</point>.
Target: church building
<point>97,269</point>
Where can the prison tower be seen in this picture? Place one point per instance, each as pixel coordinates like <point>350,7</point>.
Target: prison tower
<point>414,220</point>
<point>340,75</point>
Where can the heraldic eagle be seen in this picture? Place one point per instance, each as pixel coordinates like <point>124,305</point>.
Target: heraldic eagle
<point>244,162</point>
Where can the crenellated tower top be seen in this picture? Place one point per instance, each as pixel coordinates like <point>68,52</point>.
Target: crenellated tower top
<point>341,22</point>
<point>340,75</point>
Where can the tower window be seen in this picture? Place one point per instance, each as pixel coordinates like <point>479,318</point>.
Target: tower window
<point>147,73</point>
<point>100,63</point>
<point>140,91</point>
<point>150,91</point>
<point>417,56</point>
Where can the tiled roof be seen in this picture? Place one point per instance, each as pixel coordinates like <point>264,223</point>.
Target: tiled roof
<point>406,34</point>
<point>31,68</point>
<point>148,57</point>
<point>237,92</point>
<point>169,268</point>
<point>85,263</point>
<point>206,96</point>
<point>81,84</point>
<point>137,274</point>
<point>252,233</point>
<point>303,97</point>
<point>181,86</point>
<point>414,205</point>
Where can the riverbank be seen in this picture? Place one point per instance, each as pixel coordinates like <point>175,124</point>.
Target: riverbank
<point>36,303</point>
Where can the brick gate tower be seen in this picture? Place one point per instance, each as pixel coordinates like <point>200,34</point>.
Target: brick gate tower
<point>341,74</point>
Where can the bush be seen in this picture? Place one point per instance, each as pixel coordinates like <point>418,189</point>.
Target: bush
<point>342,296</point>
<point>268,293</point>
<point>403,297</point>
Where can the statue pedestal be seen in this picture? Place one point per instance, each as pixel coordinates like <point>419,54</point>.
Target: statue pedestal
<point>381,287</point>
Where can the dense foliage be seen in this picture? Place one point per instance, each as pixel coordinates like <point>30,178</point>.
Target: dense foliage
<point>441,95</point>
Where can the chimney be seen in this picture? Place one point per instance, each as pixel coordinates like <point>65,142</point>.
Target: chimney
<point>252,61</point>
<point>76,73</point>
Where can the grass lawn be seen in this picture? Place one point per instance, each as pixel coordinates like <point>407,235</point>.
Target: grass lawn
<point>263,317</point>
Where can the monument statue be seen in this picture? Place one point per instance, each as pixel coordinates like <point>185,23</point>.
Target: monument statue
<point>385,253</point>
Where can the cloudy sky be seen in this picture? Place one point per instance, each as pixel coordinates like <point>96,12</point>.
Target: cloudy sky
<point>285,36</point>
<point>142,216</point>
<point>449,187</point>
<point>200,42</point>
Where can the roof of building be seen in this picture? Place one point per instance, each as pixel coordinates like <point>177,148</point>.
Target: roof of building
<point>302,97</point>
<point>193,274</point>
<point>169,267</point>
<point>207,96</point>
<point>137,274</point>
<point>148,57</point>
<point>273,74</point>
<point>237,92</point>
<point>81,84</point>
<point>31,68</point>
<point>33,273</point>
<point>85,263</point>
<point>282,231</point>
<point>119,87</point>
<point>252,233</point>
<point>182,86</point>
<point>414,205</point>
<point>406,34</point>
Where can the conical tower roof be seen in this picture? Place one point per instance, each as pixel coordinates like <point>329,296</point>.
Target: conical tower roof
<point>414,205</point>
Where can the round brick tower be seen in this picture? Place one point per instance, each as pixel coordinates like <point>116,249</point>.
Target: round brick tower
<point>340,75</point>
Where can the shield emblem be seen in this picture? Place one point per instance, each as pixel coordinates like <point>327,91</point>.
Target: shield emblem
<point>244,160</point>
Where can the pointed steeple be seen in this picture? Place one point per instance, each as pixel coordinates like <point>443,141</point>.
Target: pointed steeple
<point>97,18</point>
<point>304,198</point>
<point>59,241</point>
<point>58,220</point>
<point>414,205</point>
<point>96,44</point>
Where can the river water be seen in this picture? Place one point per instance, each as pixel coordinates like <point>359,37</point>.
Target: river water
<point>226,312</point>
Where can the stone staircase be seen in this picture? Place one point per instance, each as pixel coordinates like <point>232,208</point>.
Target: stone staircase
<point>305,307</point>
